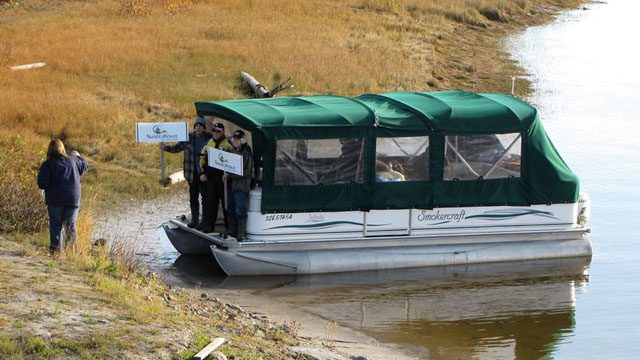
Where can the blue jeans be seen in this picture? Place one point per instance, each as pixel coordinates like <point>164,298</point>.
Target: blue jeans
<point>59,217</point>
<point>237,204</point>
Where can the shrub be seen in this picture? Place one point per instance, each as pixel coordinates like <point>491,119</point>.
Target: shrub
<point>385,6</point>
<point>21,206</point>
<point>491,13</point>
<point>134,8</point>
<point>174,7</point>
<point>463,16</point>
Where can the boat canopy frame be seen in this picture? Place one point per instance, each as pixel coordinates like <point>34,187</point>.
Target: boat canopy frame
<point>542,176</point>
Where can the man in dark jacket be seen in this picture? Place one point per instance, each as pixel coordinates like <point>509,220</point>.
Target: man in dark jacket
<point>193,171</point>
<point>238,196</point>
<point>59,177</point>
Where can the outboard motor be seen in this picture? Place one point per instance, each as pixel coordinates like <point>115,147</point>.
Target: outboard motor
<point>584,209</point>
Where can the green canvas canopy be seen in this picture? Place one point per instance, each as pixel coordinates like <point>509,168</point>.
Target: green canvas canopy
<point>456,149</point>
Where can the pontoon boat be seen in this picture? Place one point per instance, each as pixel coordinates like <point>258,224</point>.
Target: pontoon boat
<point>396,180</point>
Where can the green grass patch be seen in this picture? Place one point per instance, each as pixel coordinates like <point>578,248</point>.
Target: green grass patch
<point>8,347</point>
<point>141,308</point>
<point>39,347</point>
<point>199,342</point>
<point>35,347</point>
<point>39,279</point>
<point>50,264</point>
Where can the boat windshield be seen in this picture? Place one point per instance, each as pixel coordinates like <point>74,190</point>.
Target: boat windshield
<point>492,156</point>
<point>319,161</point>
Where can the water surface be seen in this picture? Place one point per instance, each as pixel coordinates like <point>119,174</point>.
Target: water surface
<point>587,90</point>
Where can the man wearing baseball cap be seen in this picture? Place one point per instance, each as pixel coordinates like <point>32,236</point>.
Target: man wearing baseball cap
<point>238,190</point>
<point>214,184</point>
<point>193,171</point>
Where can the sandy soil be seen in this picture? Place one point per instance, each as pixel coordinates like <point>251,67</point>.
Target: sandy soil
<point>40,299</point>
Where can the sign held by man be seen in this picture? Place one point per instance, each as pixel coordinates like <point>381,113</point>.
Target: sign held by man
<point>225,161</point>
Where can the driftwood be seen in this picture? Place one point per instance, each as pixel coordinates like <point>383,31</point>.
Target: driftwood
<point>262,91</point>
<point>28,66</point>
<point>259,89</point>
<point>282,86</point>
<point>209,348</point>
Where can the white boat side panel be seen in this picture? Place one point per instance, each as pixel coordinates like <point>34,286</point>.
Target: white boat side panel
<point>349,223</point>
<point>387,222</point>
<point>492,216</point>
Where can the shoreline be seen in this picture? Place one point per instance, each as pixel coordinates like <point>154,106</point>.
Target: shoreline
<point>324,334</point>
<point>313,328</point>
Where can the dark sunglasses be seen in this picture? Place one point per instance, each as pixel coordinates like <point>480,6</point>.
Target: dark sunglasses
<point>214,130</point>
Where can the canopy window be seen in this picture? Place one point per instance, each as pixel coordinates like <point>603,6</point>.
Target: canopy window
<point>492,156</point>
<point>319,161</point>
<point>402,159</point>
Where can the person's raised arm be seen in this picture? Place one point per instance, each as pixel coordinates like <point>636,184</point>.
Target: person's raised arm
<point>178,147</point>
<point>83,167</point>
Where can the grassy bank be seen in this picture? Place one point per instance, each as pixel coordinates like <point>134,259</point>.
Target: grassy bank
<point>100,305</point>
<point>113,63</point>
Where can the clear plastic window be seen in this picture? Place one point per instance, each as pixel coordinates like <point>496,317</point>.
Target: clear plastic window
<point>402,159</point>
<point>319,161</point>
<point>492,156</point>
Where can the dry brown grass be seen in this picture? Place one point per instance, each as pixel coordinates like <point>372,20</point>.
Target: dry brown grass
<point>113,63</point>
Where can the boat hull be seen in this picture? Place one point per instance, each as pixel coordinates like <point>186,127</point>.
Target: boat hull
<point>391,253</point>
<point>187,242</point>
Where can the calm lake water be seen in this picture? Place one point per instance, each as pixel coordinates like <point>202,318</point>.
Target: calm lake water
<point>584,69</point>
<point>587,91</point>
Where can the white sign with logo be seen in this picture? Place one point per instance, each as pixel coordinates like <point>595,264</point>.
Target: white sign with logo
<point>225,160</point>
<point>162,132</point>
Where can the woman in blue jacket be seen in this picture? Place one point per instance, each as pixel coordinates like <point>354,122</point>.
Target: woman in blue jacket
<point>59,177</point>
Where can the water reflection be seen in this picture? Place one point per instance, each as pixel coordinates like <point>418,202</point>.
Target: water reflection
<point>194,272</point>
<point>519,310</point>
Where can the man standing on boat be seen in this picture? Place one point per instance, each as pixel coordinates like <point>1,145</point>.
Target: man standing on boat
<point>214,184</point>
<point>193,171</point>
<point>238,189</point>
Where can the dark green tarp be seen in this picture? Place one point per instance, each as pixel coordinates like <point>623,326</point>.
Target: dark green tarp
<point>545,178</point>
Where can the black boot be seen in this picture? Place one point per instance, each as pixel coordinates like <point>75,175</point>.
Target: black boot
<point>232,230</point>
<point>226,217</point>
<point>242,230</point>
<point>195,217</point>
<point>207,228</point>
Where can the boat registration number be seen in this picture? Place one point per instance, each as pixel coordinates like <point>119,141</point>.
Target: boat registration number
<point>278,217</point>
